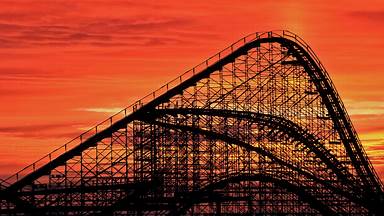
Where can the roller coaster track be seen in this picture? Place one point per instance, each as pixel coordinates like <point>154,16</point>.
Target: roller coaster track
<point>258,128</point>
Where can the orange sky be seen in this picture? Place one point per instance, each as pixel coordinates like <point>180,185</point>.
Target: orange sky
<point>66,65</point>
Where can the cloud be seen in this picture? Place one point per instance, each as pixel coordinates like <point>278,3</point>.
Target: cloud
<point>376,16</point>
<point>11,73</point>
<point>374,141</point>
<point>17,80</point>
<point>41,130</point>
<point>43,78</point>
<point>375,148</point>
<point>376,159</point>
<point>101,23</point>
<point>138,31</point>
<point>369,126</point>
<point>364,107</point>
<point>101,110</point>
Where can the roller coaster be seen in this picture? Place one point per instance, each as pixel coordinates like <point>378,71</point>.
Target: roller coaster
<point>257,129</point>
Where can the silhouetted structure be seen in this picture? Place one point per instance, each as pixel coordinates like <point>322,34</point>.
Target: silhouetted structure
<point>256,129</point>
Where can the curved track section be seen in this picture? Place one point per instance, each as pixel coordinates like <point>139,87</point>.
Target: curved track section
<point>258,128</point>
<point>211,192</point>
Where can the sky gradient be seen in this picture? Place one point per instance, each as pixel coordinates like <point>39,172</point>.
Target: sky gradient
<point>67,65</point>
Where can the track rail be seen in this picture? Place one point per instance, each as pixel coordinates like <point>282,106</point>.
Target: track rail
<point>294,43</point>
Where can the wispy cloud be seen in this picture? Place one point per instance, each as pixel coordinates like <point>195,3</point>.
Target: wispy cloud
<point>11,73</point>
<point>376,148</point>
<point>137,31</point>
<point>364,107</point>
<point>111,110</point>
<point>74,23</point>
<point>41,130</point>
<point>376,16</point>
<point>369,126</point>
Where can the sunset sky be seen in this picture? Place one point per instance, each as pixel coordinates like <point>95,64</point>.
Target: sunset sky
<point>67,65</point>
